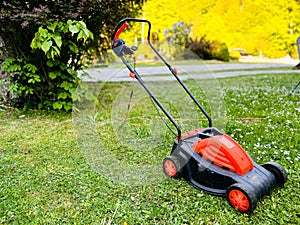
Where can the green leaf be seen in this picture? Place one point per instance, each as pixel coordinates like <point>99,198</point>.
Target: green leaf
<point>44,34</point>
<point>11,67</point>
<point>56,50</point>
<point>80,35</point>
<point>57,39</point>
<point>63,66</point>
<point>72,72</point>
<point>31,81</point>
<point>50,63</point>
<point>82,24</point>
<point>37,78</point>
<point>63,95</point>
<point>35,43</point>
<point>29,91</point>
<point>66,85</point>
<point>52,26</point>
<point>40,106</point>
<point>91,36</point>
<point>57,105</point>
<point>30,67</point>
<point>73,29</point>
<point>54,74</point>
<point>46,45</point>
<point>13,88</point>
<point>68,106</point>
<point>62,27</point>
<point>9,64</point>
<point>73,48</point>
<point>87,33</point>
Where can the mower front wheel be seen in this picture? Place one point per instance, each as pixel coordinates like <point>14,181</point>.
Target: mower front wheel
<point>171,166</point>
<point>241,198</point>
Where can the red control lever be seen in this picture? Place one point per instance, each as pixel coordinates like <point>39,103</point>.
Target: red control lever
<point>122,28</point>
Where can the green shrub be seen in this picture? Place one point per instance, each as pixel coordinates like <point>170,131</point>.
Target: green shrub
<point>49,87</point>
<point>207,50</point>
<point>221,52</point>
<point>59,46</point>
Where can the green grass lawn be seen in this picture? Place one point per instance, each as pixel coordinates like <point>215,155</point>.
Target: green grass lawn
<point>49,162</point>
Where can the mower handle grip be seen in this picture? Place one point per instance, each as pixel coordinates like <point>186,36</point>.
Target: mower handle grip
<point>124,23</point>
<point>122,28</point>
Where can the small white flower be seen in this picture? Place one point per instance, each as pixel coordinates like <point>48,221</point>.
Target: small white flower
<point>286,152</point>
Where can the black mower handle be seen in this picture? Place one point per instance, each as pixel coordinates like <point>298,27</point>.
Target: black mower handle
<point>124,23</point>
<point>121,49</point>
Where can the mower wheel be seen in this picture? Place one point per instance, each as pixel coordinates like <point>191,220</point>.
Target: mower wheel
<point>241,198</point>
<point>279,172</point>
<point>171,166</point>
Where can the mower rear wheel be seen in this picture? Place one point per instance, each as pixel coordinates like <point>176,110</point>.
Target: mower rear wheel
<point>279,172</point>
<point>241,198</point>
<point>171,166</point>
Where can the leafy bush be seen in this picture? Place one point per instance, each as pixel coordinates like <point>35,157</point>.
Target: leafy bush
<point>42,73</point>
<point>206,49</point>
<point>54,89</point>
<point>221,52</point>
<point>202,48</point>
<point>23,78</point>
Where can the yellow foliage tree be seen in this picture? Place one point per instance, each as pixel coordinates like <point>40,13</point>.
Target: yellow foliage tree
<point>259,26</point>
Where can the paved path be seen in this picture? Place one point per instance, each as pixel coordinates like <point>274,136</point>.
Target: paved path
<point>202,71</point>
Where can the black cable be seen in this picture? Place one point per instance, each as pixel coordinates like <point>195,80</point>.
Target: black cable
<point>130,98</point>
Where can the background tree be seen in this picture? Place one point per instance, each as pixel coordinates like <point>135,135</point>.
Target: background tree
<point>20,21</point>
<point>267,27</point>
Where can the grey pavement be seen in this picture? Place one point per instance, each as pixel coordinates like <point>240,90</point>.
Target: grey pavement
<point>202,71</point>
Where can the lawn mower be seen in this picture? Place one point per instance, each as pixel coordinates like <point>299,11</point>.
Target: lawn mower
<point>206,158</point>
